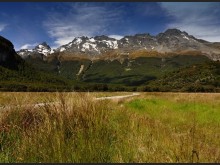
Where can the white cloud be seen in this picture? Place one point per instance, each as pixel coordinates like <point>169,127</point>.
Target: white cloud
<point>117,37</point>
<point>2,26</point>
<point>198,19</point>
<point>28,46</point>
<point>81,19</point>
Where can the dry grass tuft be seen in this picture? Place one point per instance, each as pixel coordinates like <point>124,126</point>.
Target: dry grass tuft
<point>152,127</point>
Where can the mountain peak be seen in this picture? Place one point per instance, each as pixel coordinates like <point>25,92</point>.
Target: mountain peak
<point>103,37</point>
<point>42,45</point>
<point>42,48</point>
<point>83,37</point>
<point>173,31</point>
<point>171,40</point>
<point>173,34</point>
<point>142,35</point>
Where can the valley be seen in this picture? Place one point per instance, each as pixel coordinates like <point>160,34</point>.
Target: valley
<point>134,63</point>
<point>109,82</point>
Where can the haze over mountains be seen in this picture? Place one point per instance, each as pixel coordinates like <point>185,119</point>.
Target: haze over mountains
<point>170,41</point>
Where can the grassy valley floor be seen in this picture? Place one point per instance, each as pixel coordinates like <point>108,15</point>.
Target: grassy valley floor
<point>150,127</point>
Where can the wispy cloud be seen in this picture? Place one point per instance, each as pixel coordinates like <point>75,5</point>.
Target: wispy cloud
<point>118,37</point>
<point>2,26</point>
<point>81,19</point>
<point>199,19</point>
<point>28,46</point>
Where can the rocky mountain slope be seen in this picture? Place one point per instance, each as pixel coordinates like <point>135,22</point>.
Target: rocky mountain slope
<point>147,70</point>
<point>17,75</point>
<point>40,50</point>
<point>172,41</point>
<point>8,57</point>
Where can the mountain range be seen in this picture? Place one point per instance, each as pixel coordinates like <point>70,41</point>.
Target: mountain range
<point>169,61</point>
<point>171,41</point>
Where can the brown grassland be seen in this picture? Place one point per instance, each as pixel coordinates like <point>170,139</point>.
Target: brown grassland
<point>75,127</point>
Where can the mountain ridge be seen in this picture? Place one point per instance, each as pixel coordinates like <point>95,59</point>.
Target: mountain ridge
<point>116,72</point>
<point>170,41</point>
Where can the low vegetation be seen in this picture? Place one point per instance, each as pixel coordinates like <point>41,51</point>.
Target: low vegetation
<point>191,73</point>
<point>196,78</point>
<point>152,127</point>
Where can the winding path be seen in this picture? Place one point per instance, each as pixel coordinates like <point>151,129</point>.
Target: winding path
<point>53,103</point>
<point>116,97</point>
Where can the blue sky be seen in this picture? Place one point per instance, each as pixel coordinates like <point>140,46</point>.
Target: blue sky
<point>27,24</point>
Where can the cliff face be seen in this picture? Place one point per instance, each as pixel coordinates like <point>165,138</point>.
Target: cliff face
<point>8,57</point>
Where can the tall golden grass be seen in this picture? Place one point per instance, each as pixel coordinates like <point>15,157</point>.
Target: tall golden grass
<point>81,129</point>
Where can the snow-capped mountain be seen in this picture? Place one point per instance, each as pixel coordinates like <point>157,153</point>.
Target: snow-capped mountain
<point>171,41</point>
<point>44,49</point>
<point>93,46</point>
<point>41,49</point>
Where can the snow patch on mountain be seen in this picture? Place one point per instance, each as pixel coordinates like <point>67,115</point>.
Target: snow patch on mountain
<point>184,36</point>
<point>92,40</point>
<point>77,41</point>
<point>42,48</point>
<point>89,47</point>
<point>69,45</point>
<point>169,41</point>
<point>111,44</point>
<point>62,49</point>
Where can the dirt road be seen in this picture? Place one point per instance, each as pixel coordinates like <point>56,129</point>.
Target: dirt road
<point>53,103</point>
<point>116,97</point>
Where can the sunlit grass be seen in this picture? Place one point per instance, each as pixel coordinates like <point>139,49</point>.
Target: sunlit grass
<point>152,127</point>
